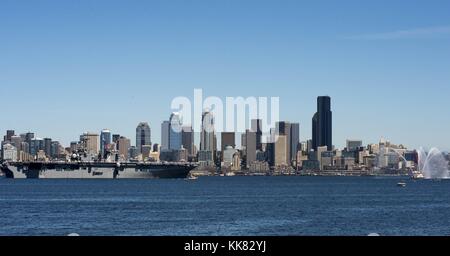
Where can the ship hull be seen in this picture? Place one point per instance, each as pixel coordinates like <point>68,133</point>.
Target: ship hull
<point>177,172</point>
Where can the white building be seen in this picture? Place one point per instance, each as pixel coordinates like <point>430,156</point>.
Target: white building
<point>9,152</point>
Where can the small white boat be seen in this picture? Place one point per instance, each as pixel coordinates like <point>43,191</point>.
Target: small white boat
<point>191,177</point>
<point>401,184</point>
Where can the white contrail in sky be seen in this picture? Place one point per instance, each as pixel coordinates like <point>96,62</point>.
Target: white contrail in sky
<point>401,34</point>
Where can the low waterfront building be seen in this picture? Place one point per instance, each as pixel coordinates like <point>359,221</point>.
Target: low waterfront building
<point>311,165</point>
<point>259,167</point>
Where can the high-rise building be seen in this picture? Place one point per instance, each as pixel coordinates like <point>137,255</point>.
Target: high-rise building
<point>143,136</point>
<point>322,124</point>
<point>105,141</point>
<point>55,149</point>
<point>28,137</point>
<point>16,141</point>
<point>257,128</point>
<point>281,151</point>
<point>187,138</point>
<point>207,141</point>
<point>36,145</point>
<point>165,129</point>
<point>251,147</point>
<point>9,134</point>
<point>123,146</point>
<point>89,142</point>
<point>294,141</point>
<point>227,139</point>
<point>48,147</point>
<point>175,136</point>
<point>284,128</point>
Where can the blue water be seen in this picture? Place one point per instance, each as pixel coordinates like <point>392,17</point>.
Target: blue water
<point>225,206</point>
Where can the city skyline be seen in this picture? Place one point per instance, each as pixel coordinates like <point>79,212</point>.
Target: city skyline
<point>143,134</point>
<point>385,64</point>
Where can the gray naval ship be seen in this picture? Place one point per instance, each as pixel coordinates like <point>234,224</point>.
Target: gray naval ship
<point>95,170</point>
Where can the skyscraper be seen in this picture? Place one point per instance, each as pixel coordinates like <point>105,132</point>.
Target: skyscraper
<point>284,129</point>
<point>89,142</point>
<point>257,128</point>
<point>9,134</point>
<point>55,149</point>
<point>322,124</point>
<point>280,151</point>
<point>207,132</point>
<point>187,138</point>
<point>251,147</point>
<point>105,140</point>
<point>207,139</point>
<point>123,146</point>
<point>165,128</point>
<point>295,140</point>
<point>28,137</point>
<point>143,136</point>
<point>175,138</point>
<point>48,147</point>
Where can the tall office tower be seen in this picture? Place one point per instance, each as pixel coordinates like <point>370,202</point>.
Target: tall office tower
<point>89,142</point>
<point>55,149</point>
<point>48,147</point>
<point>123,146</point>
<point>251,147</point>
<point>36,145</point>
<point>187,138</point>
<point>295,140</point>
<point>207,132</point>
<point>270,153</point>
<point>143,136</point>
<point>16,141</point>
<point>175,138</point>
<point>28,137</point>
<point>284,128</point>
<point>9,134</point>
<point>105,140</point>
<point>280,151</point>
<point>322,124</point>
<point>257,128</point>
<point>227,139</point>
<point>165,128</point>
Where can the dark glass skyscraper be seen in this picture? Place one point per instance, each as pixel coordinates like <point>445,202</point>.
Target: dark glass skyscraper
<point>322,124</point>
<point>257,128</point>
<point>143,136</point>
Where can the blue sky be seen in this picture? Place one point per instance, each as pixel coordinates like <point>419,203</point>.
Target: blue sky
<point>73,66</point>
